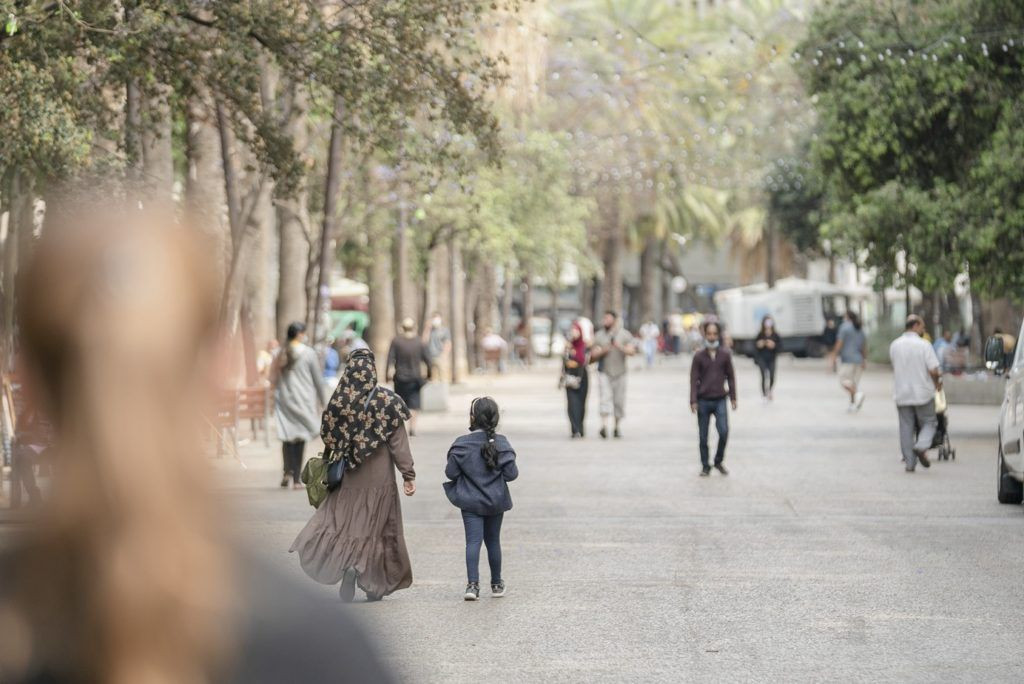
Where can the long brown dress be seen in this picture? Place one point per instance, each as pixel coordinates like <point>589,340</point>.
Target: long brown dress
<point>359,525</point>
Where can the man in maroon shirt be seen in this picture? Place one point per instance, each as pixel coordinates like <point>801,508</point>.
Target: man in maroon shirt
<point>710,372</point>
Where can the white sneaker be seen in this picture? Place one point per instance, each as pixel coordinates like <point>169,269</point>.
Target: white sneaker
<point>850,408</point>
<point>859,399</point>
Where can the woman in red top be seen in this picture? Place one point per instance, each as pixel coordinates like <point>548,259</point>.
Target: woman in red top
<point>575,380</point>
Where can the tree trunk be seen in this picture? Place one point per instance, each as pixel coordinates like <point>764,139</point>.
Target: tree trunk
<point>204,187</point>
<point>507,293</point>
<point>404,306</point>
<point>293,225</point>
<point>257,284</point>
<point>133,132</point>
<point>614,245</point>
<point>648,275</point>
<point>457,295</point>
<point>769,252</point>
<point>157,149</point>
<point>555,287</point>
<point>977,325</point>
<point>331,188</point>
<point>245,230</point>
<point>528,314</point>
<point>20,217</point>
<point>587,298</point>
<point>484,314</point>
<point>382,311</point>
<point>248,330</point>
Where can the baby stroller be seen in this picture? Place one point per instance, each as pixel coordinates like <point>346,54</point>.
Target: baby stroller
<point>941,439</point>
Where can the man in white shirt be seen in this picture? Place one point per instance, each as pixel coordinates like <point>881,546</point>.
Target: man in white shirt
<point>916,378</point>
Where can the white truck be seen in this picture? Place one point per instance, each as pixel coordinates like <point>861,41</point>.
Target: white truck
<point>1010,447</point>
<point>799,307</point>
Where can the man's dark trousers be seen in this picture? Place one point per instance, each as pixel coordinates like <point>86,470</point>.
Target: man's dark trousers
<point>705,409</point>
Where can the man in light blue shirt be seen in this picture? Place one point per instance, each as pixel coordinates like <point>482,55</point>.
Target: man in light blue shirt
<point>941,345</point>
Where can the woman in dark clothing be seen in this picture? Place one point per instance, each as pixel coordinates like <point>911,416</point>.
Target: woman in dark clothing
<point>480,466</point>
<point>767,347</point>
<point>406,359</point>
<point>575,379</point>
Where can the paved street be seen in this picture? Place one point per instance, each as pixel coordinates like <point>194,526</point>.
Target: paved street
<point>817,558</point>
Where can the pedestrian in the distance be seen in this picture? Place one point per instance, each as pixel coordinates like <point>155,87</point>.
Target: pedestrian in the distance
<point>407,357</point>
<point>712,379</point>
<point>298,400</point>
<point>480,466</point>
<point>851,350</point>
<point>767,347</point>
<point>575,379</point>
<point>916,377</point>
<point>439,346</point>
<point>649,334</point>
<point>612,344</point>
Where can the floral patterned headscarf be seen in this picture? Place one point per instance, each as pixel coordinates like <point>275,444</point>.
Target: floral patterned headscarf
<point>361,415</point>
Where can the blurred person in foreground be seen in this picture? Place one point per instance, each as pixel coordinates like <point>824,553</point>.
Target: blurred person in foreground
<point>127,574</point>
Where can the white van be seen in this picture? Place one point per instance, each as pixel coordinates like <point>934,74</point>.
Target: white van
<point>799,307</point>
<point>1010,454</point>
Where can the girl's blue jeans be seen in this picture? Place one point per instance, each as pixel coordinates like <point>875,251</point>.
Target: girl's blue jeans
<point>484,529</point>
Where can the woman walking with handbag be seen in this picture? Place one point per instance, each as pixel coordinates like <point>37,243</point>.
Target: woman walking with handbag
<point>298,400</point>
<point>355,536</point>
<point>576,380</point>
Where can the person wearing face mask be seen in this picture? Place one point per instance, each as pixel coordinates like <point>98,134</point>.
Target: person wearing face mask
<point>710,373</point>
<point>767,347</point>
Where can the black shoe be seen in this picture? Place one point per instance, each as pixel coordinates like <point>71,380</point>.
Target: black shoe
<point>373,598</point>
<point>617,434</point>
<point>924,459</point>
<point>472,591</point>
<point>603,433</point>
<point>705,471</point>
<point>721,468</point>
<point>347,590</point>
<point>284,482</point>
<point>497,589</point>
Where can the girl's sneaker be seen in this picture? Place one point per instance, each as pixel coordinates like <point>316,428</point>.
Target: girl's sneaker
<point>497,589</point>
<point>472,591</point>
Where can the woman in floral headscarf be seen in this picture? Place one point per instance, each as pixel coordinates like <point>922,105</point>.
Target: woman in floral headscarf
<point>356,534</point>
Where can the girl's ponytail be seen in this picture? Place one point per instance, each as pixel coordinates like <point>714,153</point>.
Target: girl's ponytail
<point>483,415</point>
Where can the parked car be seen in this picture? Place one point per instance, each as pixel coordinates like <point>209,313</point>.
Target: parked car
<point>1010,446</point>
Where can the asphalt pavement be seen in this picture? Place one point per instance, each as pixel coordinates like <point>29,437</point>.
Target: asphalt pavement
<point>817,558</point>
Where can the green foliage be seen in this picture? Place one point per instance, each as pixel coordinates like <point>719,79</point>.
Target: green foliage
<point>918,127</point>
<point>390,61</point>
<point>520,214</point>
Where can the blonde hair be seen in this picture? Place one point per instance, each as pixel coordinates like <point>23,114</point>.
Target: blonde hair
<point>125,577</point>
